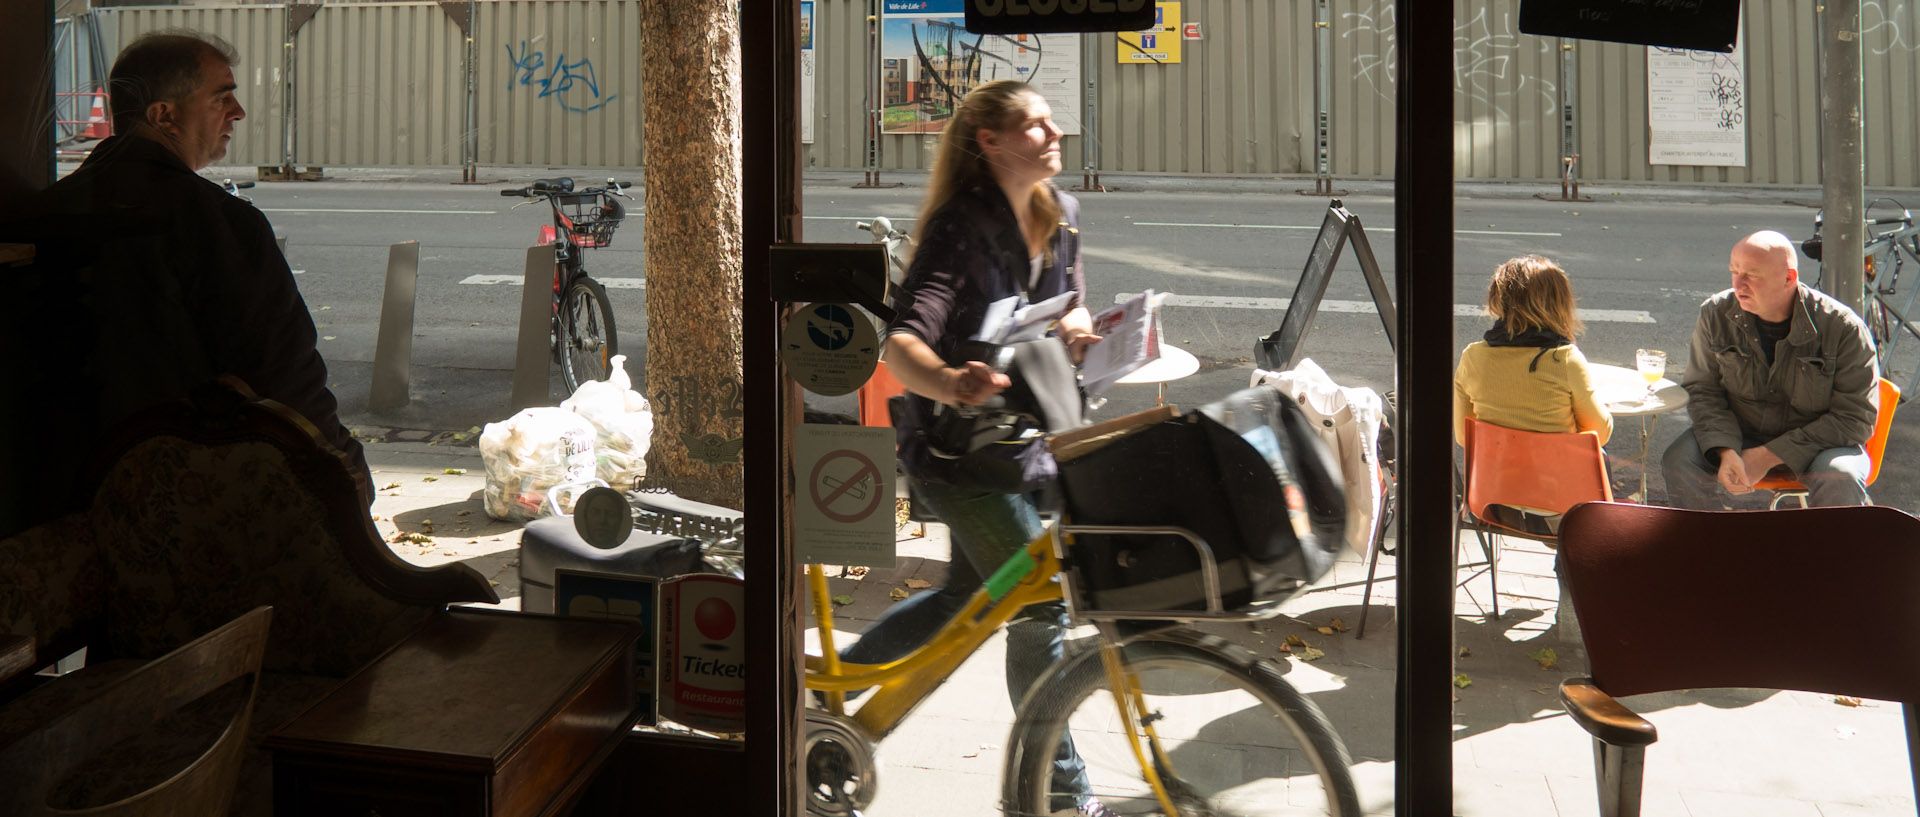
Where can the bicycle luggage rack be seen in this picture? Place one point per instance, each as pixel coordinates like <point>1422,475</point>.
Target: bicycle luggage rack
<point>1257,610</point>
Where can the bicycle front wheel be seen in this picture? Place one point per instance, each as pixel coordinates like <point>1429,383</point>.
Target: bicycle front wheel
<point>1231,737</point>
<point>587,350</point>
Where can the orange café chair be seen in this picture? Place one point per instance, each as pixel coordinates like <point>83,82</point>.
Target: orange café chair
<point>1785,488</point>
<point>1539,473</point>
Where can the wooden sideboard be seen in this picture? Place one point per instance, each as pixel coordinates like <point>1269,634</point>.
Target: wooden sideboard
<point>479,713</point>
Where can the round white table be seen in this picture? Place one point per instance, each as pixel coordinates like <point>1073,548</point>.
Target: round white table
<point>1624,392</point>
<point>1172,364</point>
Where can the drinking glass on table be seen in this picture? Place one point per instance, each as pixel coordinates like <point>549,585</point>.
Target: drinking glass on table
<point>1652,364</point>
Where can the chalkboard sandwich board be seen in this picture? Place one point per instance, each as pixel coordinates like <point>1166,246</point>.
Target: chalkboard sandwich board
<point>1699,25</point>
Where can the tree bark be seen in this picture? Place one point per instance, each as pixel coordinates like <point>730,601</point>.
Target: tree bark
<point>691,71</point>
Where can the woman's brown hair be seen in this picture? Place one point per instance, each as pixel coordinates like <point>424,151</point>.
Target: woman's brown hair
<point>961,163</point>
<point>1530,293</point>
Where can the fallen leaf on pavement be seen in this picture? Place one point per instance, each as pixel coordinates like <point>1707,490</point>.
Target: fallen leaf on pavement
<point>1462,681</point>
<point>456,471</point>
<point>1466,653</point>
<point>843,599</point>
<point>1545,657</point>
<point>1324,630</point>
<point>1338,625</point>
<point>464,513</point>
<point>390,486</point>
<point>897,593</point>
<point>429,479</point>
<point>1309,653</point>
<point>1295,641</point>
<point>919,584</point>
<point>1846,700</point>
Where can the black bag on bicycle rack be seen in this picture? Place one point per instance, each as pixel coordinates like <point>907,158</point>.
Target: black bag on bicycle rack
<point>1247,474</point>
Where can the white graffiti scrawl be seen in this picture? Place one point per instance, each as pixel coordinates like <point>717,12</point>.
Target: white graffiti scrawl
<point>1485,56</point>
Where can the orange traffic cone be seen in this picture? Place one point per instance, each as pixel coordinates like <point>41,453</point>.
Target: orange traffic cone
<point>97,125</point>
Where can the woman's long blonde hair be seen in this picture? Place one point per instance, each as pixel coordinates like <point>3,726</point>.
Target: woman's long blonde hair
<point>960,163</point>
<point>1531,292</point>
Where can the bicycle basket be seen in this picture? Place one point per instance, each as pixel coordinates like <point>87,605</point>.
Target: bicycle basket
<point>1246,474</point>
<point>593,222</point>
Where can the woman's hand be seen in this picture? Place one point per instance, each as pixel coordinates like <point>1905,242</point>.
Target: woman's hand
<point>974,383</point>
<point>1076,328</point>
<point>1077,343</point>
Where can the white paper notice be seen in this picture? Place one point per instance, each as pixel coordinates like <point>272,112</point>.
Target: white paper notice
<point>843,495</point>
<point>1696,107</point>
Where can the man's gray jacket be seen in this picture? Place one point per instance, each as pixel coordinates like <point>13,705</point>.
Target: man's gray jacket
<point>1818,394</point>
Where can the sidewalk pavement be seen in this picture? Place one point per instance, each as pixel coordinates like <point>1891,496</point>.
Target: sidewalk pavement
<point>1721,753</point>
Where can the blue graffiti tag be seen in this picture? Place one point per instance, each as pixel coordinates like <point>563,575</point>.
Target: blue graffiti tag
<point>559,81</point>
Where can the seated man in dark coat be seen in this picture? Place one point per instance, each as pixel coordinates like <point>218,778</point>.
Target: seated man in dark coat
<point>147,280</point>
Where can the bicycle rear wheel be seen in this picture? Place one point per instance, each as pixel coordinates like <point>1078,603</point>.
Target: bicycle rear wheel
<point>1234,737</point>
<point>588,347</point>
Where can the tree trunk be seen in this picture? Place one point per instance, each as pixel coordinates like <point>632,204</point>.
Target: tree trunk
<point>691,71</point>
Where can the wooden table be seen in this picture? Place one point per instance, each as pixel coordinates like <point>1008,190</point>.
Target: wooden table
<point>1624,392</point>
<point>479,712</point>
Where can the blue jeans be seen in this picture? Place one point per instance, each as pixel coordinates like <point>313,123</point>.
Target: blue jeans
<point>985,529</point>
<point>1836,477</point>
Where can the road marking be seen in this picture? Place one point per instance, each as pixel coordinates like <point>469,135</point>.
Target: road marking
<point>514,280</point>
<point>1331,305</point>
<point>1316,228</point>
<point>348,210</point>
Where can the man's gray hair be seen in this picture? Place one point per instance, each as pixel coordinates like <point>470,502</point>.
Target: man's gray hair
<point>162,66</point>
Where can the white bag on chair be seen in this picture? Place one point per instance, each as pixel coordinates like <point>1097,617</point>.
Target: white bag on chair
<point>1348,420</point>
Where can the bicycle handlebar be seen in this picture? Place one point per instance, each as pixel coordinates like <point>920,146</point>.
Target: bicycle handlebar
<point>545,187</point>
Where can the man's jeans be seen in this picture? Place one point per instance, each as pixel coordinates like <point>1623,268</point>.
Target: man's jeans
<point>985,529</point>
<point>1836,477</point>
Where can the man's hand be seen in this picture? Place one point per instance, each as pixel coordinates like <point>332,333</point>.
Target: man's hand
<point>975,383</point>
<point>1733,473</point>
<point>1758,460</point>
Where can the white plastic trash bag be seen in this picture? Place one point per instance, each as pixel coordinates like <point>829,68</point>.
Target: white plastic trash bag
<point>529,454</point>
<point>622,422</point>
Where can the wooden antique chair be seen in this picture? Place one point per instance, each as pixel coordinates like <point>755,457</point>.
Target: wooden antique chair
<point>65,760</point>
<point>1673,599</point>
<point>204,509</point>
<point>1785,488</point>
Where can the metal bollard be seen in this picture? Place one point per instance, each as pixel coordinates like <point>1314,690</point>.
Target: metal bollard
<point>393,351</point>
<point>530,372</point>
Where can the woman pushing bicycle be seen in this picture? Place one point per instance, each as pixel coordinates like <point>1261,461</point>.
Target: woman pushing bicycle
<point>993,227</point>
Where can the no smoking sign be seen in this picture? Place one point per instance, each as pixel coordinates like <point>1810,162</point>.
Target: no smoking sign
<point>843,506</point>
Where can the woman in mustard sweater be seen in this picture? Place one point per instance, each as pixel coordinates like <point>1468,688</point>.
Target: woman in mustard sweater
<point>1527,374</point>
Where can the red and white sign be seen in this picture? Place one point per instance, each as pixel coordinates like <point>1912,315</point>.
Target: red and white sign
<point>1190,31</point>
<point>843,508</point>
<point>703,658</point>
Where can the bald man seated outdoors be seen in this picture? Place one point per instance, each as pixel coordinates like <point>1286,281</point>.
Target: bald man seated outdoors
<point>1779,376</point>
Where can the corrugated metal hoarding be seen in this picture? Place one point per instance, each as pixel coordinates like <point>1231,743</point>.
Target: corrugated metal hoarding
<point>255,32</point>
<point>559,83</point>
<point>379,85</point>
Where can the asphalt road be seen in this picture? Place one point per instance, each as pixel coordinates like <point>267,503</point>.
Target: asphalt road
<point>1642,259</point>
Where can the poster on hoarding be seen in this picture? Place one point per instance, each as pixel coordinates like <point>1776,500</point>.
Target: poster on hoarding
<point>928,63</point>
<point>1158,45</point>
<point>1696,107</point>
<point>806,72</point>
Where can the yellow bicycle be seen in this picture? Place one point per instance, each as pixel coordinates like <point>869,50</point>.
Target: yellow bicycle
<point>1169,720</point>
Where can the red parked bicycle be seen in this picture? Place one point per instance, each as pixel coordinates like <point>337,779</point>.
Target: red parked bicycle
<point>583,337</point>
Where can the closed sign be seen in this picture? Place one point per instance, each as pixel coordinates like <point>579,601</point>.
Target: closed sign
<point>1051,16</point>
